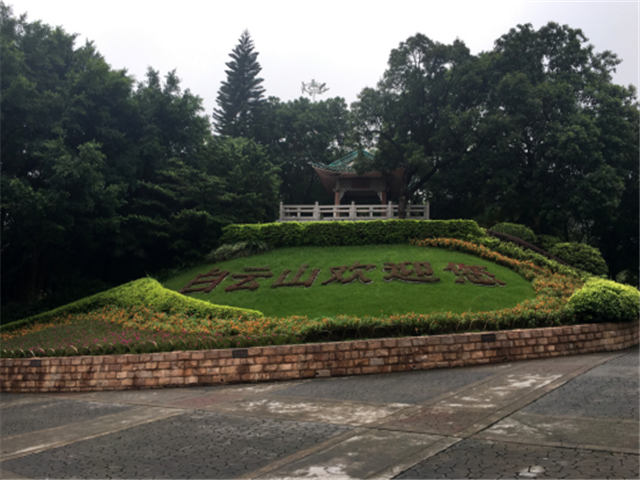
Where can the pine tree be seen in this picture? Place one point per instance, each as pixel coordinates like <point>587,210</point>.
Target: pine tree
<point>241,95</point>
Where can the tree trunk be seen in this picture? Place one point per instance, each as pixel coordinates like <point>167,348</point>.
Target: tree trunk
<point>402,206</point>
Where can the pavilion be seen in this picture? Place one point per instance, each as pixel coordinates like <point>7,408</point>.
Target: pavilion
<point>342,181</point>
<point>368,196</point>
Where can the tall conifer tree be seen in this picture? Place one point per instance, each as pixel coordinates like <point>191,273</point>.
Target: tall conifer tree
<point>241,95</point>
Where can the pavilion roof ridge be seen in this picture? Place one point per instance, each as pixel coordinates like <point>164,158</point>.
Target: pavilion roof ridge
<point>343,164</point>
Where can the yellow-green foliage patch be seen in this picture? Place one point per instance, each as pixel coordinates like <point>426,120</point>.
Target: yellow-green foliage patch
<point>142,292</point>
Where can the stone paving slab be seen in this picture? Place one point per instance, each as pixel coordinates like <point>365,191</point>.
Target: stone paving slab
<point>40,440</point>
<point>360,456</point>
<point>158,397</point>
<point>473,458</point>
<point>308,410</point>
<point>405,387</point>
<point>605,391</point>
<point>578,432</point>
<point>30,417</point>
<point>196,444</point>
<point>466,409</point>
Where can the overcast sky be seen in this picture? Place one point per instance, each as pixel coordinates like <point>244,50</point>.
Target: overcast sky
<point>344,43</point>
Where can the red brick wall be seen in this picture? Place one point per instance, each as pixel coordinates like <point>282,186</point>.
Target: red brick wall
<point>207,367</point>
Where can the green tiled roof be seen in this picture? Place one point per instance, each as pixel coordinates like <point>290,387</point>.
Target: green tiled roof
<point>343,164</point>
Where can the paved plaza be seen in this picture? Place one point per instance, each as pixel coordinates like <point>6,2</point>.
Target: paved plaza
<point>566,417</point>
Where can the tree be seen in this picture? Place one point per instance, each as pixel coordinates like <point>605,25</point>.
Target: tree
<point>241,95</point>
<point>301,131</point>
<point>250,191</point>
<point>60,187</point>
<point>560,144</point>
<point>421,116</point>
<point>170,178</point>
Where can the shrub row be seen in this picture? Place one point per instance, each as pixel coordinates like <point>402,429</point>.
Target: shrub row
<point>324,234</point>
<point>145,291</point>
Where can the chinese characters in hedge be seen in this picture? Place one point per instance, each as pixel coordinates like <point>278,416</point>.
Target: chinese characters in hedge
<point>408,272</point>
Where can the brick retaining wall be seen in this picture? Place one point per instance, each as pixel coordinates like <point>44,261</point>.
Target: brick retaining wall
<point>215,367</point>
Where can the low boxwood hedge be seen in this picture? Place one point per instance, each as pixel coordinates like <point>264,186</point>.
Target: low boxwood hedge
<point>372,232</point>
<point>145,291</point>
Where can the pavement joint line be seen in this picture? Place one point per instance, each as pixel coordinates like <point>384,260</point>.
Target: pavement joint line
<point>80,426</point>
<point>282,462</point>
<point>490,436</point>
<point>544,443</point>
<point>24,401</point>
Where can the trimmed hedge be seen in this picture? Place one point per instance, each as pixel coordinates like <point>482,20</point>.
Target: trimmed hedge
<point>324,234</point>
<point>605,301</point>
<point>145,291</point>
<point>582,256</point>
<point>516,230</point>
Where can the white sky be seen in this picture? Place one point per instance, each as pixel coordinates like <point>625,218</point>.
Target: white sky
<point>343,43</point>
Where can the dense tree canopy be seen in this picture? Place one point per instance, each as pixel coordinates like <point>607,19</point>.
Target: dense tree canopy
<point>422,116</point>
<point>301,131</point>
<point>103,178</point>
<point>531,132</point>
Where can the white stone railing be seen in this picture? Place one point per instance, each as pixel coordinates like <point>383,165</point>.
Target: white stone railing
<point>318,213</point>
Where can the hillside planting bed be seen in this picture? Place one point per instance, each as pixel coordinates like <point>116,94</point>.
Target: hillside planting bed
<point>436,288</point>
<point>136,328</point>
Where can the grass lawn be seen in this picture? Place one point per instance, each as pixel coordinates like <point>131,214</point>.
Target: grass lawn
<point>376,299</point>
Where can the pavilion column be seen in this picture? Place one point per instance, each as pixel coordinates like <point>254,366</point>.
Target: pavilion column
<point>337,198</point>
<point>383,198</point>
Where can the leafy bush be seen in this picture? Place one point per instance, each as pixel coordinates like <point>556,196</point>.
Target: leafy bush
<point>516,230</point>
<point>546,242</point>
<point>144,291</point>
<point>230,251</point>
<point>605,301</point>
<point>321,234</point>
<point>582,256</point>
